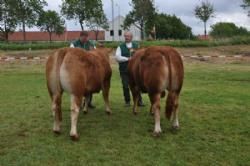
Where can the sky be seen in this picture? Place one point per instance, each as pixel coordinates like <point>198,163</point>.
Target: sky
<point>225,10</point>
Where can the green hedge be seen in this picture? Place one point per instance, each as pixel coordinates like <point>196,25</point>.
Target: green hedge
<point>174,43</point>
<point>199,43</point>
<point>32,46</point>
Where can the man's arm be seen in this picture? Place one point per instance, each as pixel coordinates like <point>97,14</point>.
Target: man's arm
<point>118,56</point>
<point>92,45</point>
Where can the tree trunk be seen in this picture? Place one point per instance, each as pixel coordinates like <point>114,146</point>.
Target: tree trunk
<point>50,38</point>
<point>81,23</point>
<point>7,36</point>
<point>24,33</point>
<point>205,30</point>
<point>5,32</point>
<point>96,35</point>
<point>142,30</point>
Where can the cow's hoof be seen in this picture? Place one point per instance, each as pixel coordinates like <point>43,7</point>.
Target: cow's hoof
<point>57,132</point>
<point>74,137</point>
<point>156,134</point>
<point>135,113</point>
<point>175,127</point>
<point>85,112</point>
<point>151,113</point>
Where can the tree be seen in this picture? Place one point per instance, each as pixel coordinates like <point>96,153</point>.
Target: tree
<point>142,16</point>
<point>97,23</point>
<point>98,20</point>
<point>81,10</point>
<point>8,20</point>
<point>204,12</point>
<point>51,22</point>
<point>246,5</point>
<point>226,29</point>
<point>27,12</point>
<point>171,27</point>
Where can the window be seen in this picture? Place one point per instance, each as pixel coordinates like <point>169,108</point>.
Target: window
<point>119,32</point>
<point>111,33</point>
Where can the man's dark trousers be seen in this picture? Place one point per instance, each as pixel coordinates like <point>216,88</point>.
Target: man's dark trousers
<point>125,87</point>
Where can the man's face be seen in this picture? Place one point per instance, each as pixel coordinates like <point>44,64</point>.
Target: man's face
<point>128,37</point>
<point>84,39</point>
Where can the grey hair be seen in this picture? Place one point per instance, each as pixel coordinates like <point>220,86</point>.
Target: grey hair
<point>128,32</point>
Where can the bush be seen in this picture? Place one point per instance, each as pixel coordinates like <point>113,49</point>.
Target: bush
<point>225,29</point>
<point>168,26</point>
<point>32,46</point>
<point>174,43</point>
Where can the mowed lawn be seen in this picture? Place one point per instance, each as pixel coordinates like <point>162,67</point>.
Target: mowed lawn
<point>214,120</point>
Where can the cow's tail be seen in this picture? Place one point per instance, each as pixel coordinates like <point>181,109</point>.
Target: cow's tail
<point>170,99</point>
<point>60,54</point>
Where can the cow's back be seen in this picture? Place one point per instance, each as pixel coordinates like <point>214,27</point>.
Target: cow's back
<point>153,71</point>
<point>75,71</point>
<point>81,72</point>
<point>156,68</point>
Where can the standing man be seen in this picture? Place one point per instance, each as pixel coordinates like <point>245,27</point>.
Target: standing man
<point>123,53</point>
<point>84,43</point>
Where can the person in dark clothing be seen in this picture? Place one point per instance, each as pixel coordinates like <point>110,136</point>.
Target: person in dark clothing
<point>123,53</point>
<point>84,43</point>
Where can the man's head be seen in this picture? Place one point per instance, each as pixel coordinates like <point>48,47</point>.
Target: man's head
<point>128,37</point>
<point>84,36</point>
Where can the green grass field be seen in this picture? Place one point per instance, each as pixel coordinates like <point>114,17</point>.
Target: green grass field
<point>214,120</point>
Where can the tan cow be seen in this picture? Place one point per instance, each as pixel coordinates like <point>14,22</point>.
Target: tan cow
<point>80,73</point>
<point>154,70</point>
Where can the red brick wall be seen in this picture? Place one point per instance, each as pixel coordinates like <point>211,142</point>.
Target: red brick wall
<point>203,37</point>
<point>44,36</point>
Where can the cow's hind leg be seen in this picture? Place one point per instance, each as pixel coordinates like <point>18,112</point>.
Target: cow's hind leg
<point>151,111</point>
<point>57,113</point>
<point>105,93</point>
<point>172,108</point>
<point>135,94</point>
<point>85,101</point>
<point>155,102</point>
<point>75,108</point>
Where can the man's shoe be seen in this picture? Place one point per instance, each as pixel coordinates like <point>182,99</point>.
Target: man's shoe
<point>141,104</point>
<point>127,104</point>
<point>91,106</point>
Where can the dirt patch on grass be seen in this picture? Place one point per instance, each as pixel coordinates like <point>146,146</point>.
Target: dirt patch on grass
<point>221,54</point>
<point>216,51</point>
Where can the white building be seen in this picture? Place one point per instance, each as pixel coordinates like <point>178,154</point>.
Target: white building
<point>118,30</point>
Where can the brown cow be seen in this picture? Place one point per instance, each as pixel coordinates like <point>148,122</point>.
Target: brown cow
<point>153,70</point>
<point>80,73</point>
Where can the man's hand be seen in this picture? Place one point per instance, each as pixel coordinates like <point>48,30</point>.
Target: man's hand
<point>131,50</point>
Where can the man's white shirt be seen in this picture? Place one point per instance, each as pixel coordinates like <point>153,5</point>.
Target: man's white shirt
<point>72,45</point>
<point>118,54</point>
